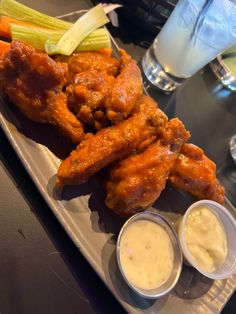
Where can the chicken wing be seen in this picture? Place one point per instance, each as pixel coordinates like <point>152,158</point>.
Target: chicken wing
<point>137,181</point>
<point>195,173</point>
<point>87,61</point>
<point>87,94</point>
<point>33,82</point>
<point>113,143</point>
<point>96,96</point>
<point>127,89</point>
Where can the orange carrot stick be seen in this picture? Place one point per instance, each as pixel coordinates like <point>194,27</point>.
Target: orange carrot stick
<point>105,51</point>
<point>5,25</point>
<point>4,47</point>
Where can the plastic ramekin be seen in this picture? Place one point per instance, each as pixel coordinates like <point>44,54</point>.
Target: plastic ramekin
<point>177,266</point>
<point>229,223</point>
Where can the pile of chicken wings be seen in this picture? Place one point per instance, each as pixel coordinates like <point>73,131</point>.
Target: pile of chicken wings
<point>97,102</point>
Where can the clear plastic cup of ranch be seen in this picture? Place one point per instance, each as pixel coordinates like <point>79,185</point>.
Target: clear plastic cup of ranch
<point>195,33</point>
<point>224,67</point>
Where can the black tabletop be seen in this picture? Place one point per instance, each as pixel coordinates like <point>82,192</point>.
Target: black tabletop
<point>41,269</point>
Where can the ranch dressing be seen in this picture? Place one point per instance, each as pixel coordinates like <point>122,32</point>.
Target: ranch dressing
<point>146,254</point>
<point>206,239</point>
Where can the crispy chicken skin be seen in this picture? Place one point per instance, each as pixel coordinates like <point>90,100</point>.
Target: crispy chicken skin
<point>87,61</point>
<point>33,82</point>
<point>86,97</point>
<point>113,143</point>
<point>137,181</point>
<point>127,89</point>
<point>195,173</point>
<point>96,96</point>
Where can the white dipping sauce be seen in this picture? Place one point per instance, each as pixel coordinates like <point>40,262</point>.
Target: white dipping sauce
<point>205,238</point>
<point>146,254</point>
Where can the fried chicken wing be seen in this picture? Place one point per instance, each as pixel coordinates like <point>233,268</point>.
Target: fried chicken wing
<point>87,61</point>
<point>137,181</point>
<point>195,173</point>
<point>33,82</point>
<point>96,96</point>
<point>127,89</point>
<point>113,143</point>
<point>86,97</point>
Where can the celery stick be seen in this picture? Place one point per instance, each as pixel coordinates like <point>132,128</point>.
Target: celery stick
<point>34,36</point>
<point>86,24</point>
<point>98,39</point>
<point>23,13</point>
<point>37,37</point>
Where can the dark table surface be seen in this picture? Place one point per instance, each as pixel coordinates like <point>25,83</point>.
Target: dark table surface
<point>41,269</point>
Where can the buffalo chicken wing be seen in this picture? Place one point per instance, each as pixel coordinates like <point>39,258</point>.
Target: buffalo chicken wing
<point>126,90</point>
<point>87,61</point>
<point>33,82</point>
<point>195,173</point>
<point>113,143</point>
<point>96,96</point>
<point>137,181</point>
<point>86,97</point>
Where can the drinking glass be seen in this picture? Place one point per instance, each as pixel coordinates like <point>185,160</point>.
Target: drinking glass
<point>224,67</point>
<point>195,33</point>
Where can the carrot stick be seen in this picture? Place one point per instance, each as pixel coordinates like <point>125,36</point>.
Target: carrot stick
<point>5,25</point>
<point>4,47</point>
<point>105,51</point>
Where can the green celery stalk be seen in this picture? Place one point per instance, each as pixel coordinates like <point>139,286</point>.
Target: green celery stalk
<point>98,39</point>
<point>71,39</point>
<point>34,36</point>
<point>37,37</point>
<point>21,12</point>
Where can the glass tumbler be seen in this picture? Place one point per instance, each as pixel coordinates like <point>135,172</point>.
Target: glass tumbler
<point>224,67</point>
<point>195,33</point>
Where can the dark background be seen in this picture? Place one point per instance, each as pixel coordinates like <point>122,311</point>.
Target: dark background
<point>41,270</point>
